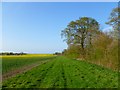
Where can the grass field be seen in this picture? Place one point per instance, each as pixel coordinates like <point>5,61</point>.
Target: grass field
<point>14,62</point>
<point>62,72</point>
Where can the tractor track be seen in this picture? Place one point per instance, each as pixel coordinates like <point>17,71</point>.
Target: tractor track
<point>21,70</point>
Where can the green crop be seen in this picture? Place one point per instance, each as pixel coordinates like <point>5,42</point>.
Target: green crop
<point>62,72</point>
<point>14,62</point>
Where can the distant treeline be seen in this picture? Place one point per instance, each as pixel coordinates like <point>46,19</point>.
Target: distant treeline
<point>11,53</point>
<point>57,53</point>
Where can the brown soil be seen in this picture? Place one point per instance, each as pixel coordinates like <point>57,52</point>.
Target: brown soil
<point>21,70</point>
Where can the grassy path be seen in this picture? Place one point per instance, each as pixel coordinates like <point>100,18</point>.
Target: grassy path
<point>62,72</point>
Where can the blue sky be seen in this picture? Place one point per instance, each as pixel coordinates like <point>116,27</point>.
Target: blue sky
<point>60,0</point>
<point>36,27</point>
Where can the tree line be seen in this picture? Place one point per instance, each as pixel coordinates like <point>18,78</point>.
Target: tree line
<point>11,53</point>
<point>86,41</point>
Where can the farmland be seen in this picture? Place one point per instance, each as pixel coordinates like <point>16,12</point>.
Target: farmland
<point>62,72</point>
<point>14,62</point>
<point>88,57</point>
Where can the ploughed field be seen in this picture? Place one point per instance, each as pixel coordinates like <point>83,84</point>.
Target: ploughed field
<point>58,72</point>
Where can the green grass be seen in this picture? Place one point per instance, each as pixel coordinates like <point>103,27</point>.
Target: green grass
<point>14,62</point>
<point>62,72</point>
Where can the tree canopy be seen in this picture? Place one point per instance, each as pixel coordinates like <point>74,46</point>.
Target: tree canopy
<point>81,31</point>
<point>114,21</point>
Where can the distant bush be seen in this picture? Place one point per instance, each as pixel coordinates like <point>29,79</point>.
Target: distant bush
<point>11,53</point>
<point>57,53</point>
<point>73,51</point>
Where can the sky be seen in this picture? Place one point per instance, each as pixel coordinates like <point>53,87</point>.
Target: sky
<point>0,26</point>
<point>36,27</point>
<point>60,0</point>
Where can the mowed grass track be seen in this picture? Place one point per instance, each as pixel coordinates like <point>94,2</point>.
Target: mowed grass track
<point>62,72</point>
<point>15,62</point>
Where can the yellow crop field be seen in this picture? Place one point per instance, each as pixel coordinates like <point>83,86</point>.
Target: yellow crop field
<point>28,55</point>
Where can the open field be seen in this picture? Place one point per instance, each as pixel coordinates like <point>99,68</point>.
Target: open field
<point>14,62</point>
<point>62,72</point>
